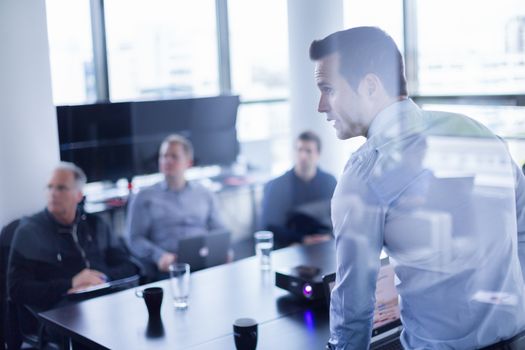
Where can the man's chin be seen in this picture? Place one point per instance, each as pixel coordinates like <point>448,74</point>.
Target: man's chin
<point>172,175</point>
<point>55,211</point>
<point>342,136</point>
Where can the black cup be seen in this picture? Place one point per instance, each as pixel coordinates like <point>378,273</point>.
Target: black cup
<point>155,328</point>
<point>153,299</point>
<point>245,333</point>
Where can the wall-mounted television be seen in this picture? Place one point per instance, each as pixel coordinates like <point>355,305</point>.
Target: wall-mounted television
<point>121,140</point>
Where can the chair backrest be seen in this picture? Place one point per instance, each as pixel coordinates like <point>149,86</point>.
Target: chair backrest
<point>11,325</point>
<point>8,334</point>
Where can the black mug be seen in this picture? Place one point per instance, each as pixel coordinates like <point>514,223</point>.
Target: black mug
<point>245,333</point>
<point>153,298</point>
<point>155,328</point>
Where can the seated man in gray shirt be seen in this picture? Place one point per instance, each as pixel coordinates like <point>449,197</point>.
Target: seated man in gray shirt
<point>160,215</point>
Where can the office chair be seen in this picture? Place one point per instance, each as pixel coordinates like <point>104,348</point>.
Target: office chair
<point>10,336</point>
<point>14,332</point>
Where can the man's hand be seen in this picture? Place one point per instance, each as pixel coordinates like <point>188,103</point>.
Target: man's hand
<point>317,238</point>
<point>165,261</point>
<point>86,278</point>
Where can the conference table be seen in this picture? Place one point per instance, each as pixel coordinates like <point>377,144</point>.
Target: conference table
<point>218,297</point>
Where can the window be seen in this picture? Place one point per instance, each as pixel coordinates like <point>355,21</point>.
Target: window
<point>159,49</point>
<point>264,134</point>
<point>367,13</point>
<point>71,51</point>
<point>473,48</point>
<point>259,48</point>
<point>470,47</point>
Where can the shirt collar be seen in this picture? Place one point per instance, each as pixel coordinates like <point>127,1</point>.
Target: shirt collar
<point>292,171</point>
<point>399,118</point>
<point>388,116</point>
<point>62,228</point>
<point>164,186</point>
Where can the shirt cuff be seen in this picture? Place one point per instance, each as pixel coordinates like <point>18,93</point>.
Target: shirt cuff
<point>63,285</point>
<point>157,253</point>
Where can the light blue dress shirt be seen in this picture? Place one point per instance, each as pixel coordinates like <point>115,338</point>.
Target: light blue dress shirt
<point>440,193</point>
<point>159,217</point>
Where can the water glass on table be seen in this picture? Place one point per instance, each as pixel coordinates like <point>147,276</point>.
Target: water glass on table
<point>180,284</point>
<point>263,248</point>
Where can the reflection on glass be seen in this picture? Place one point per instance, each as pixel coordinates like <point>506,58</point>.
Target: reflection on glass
<point>505,121</point>
<point>161,48</point>
<point>439,193</point>
<point>472,54</point>
<point>155,328</point>
<point>259,50</point>
<point>70,51</point>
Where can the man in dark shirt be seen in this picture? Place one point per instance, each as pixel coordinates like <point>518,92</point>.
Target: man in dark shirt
<point>303,189</point>
<point>61,250</point>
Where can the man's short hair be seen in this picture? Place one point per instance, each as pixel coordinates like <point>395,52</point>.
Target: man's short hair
<point>78,173</point>
<point>365,50</point>
<point>181,140</point>
<point>310,136</point>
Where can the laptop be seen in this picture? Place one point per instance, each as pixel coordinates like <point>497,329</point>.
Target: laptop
<point>104,288</point>
<point>205,250</point>
<point>387,322</point>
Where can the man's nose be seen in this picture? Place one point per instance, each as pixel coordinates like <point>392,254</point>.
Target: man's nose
<point>323,106</point>
<point>302,155</point>
<point>52,193</point>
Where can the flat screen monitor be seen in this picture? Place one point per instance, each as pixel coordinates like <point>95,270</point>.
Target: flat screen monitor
<point>97,138</point>
<point>121,140</point>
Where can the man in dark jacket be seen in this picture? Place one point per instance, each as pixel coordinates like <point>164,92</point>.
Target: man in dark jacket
<point>303,189</point>
<point>61,250</point>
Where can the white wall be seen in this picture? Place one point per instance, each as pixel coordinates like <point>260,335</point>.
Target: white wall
<point>28,130</point>
<point>310,20</point>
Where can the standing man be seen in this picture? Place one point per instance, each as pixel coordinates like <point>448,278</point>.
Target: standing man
<point>162,214</point>
<point>438,191</point>
<point>305,186</point>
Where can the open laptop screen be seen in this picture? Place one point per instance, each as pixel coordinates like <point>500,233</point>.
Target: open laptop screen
<point>205,250</point>
<point>386,312</point>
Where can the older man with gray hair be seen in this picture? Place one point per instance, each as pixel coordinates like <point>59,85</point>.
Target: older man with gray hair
<point>61,250</point>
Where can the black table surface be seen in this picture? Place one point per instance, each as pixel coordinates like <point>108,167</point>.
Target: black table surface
<point>303,330</point>
<point>218,297</point>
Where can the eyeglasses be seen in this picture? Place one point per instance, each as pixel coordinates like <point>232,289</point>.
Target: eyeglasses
<point>58,188</point>
<point>172,157</point>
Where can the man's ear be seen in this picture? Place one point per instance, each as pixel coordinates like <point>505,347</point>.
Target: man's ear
<point>80,195</point>
<point>372,84</point>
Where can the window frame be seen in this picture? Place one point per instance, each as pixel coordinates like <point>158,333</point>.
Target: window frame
<point>411,64</point>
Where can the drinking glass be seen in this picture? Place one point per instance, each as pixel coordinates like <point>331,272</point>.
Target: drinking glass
<point>263,248</point>
<point>180,284</point>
